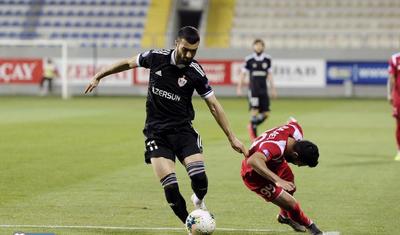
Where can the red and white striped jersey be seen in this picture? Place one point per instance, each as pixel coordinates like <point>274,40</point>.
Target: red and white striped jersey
<point>272,144</point>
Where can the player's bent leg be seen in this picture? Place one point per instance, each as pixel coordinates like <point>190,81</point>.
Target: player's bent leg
<point>289,203</point>
<point>284,216</point>
<point>195,168</point>
<point>174,197</point>
<point>165,170</point>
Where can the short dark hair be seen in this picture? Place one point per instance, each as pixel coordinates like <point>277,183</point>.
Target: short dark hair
<point>190,34</point>
<point>308,152</point>
<point>258,40</point>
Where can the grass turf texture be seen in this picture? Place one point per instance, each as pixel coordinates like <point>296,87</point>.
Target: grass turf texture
<point>80,162</point>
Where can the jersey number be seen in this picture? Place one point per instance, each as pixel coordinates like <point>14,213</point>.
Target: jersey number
<point>268,190</point>
<point>151,145</point>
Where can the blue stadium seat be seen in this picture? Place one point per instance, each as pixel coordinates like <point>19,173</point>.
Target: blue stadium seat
<point>100,13</point>
<point>105,35</point>
<point>116,35</point>
<point>46,24</point>
<point>54,35</point>
<point>98,24</point>
<point>140,25</point>
<point>59,13</point>
<point>15,23</point>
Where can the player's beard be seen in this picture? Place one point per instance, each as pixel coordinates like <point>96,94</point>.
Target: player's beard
<point>184,61</point>
<point>180,59</point>
<point>289,158</point>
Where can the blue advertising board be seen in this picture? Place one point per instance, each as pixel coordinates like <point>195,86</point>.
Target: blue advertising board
<point>368,73</point>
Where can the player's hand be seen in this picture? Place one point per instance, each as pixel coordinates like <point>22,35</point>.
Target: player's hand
<point>93,84</point>
<point>390,99</point>
<point>239,91</point>
<point>286,185</point>
<point>274,94</point>
<point>238,146</point>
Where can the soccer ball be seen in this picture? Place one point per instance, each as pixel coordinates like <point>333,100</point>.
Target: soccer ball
<point>200,222</point>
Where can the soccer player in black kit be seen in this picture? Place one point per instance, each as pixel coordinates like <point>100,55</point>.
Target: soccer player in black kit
<point>258,66</point>
<point>174,75</point>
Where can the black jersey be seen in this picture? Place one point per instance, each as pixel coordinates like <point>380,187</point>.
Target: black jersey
<point>258,66</point>
<point>169,97</point>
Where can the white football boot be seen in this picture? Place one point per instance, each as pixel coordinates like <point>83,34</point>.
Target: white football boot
<point>197,203</point>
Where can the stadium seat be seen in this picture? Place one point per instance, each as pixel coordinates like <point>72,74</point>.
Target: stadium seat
<point>114,21</point>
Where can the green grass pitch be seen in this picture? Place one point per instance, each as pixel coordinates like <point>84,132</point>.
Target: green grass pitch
<point>80,163</point>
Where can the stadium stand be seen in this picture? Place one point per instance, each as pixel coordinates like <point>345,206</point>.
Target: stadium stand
<point>317,23</point>
<point>108,23</point>
<point>221,14</point>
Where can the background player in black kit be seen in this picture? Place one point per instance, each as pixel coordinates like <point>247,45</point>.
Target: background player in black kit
<point>174,75</point>
<point>258,66</point>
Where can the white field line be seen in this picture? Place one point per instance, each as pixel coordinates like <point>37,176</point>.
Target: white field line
<point>143,228</point>
<point>129,228</point>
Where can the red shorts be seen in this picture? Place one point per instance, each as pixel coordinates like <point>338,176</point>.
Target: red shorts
<point>396,107</point>
<point>266,188</point>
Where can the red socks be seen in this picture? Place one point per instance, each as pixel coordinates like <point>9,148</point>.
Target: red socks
<point>297,215</point>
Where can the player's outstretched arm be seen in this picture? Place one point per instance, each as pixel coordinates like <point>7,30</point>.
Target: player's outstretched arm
<point>219,115</point>
<point>114,68</point>
<point>274,94</point>
<point>257,162</point>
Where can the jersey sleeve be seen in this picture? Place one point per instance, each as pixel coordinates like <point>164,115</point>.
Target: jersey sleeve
<point>246,66</point>
<point>145,59</point>
<point>295,131</point>
<point>272,149</point>
<point>269,69</point>
<point>202,85</point>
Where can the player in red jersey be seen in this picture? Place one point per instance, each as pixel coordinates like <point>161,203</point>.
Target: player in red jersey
<point>394,95</point>
<point>266,171</point>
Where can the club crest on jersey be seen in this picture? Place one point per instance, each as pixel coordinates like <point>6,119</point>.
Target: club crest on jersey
<point>182,81</point>
<point>254,65</point>
<point>264,65</point>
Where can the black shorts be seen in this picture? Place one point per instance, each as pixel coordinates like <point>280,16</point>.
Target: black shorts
<point>259,102</point>
<point>180,143</point>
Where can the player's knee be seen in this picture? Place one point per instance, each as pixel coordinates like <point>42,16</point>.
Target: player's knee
<point>171,188</point>
<point>197,174</point>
